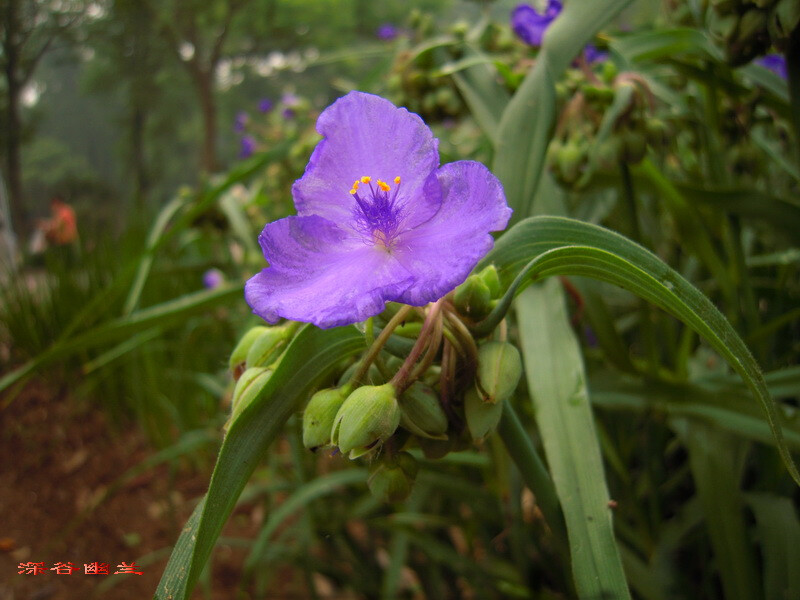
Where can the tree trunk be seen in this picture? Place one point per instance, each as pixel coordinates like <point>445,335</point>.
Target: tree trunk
<point>141,179</point>
<point>13,122</point>
<point>204,80</point>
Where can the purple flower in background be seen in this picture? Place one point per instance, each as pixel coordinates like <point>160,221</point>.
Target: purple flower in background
<point>265,105</point>
<point>592,54</point>
<point>213,278</point>
<point>288,113</point>
<point>775,63</point>
<point>386,32</point>
<point>240,123</point>
<point>378,220</point>
<point>530,25</point>
<point>248,146</point>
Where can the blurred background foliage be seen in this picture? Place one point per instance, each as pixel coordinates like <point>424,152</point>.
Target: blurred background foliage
<point>176,129</point>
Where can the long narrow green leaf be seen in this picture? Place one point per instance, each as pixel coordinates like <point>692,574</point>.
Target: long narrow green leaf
<point>160,315</point>
<point>310,356</point>
<point>779,533</point>
<point>544,246</point>
<point>557,384</point>
<point>715,459</point>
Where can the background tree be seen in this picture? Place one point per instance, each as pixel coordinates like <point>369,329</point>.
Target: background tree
<point>30,28</point>
<point>197,31</point>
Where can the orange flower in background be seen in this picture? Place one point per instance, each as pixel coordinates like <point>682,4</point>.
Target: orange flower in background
<point>62,227</point>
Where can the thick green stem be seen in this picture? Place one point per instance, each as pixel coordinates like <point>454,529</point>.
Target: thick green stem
<point>377,346</point>
<point>535,475</point>
<point>403,377</point>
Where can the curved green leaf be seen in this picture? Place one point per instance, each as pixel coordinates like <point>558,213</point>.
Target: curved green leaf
<point>309,358</point>
<point>544,246</point>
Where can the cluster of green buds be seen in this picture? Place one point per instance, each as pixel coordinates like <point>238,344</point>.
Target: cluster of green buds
<point>608,119</point>
<point>419,80</point>
<point>430,379</point>
<point>253,361</point>
<point>748,28</point>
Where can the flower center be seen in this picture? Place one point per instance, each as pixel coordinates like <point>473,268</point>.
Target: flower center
<point>377,215</point>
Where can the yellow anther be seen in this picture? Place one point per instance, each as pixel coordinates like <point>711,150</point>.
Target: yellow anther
<point>397,180</point>
<point>355,184</point>
<point>353,191</point>
<point>366,179</point>
<point>383,185</point>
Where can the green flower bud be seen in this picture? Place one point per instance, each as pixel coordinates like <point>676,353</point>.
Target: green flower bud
<point>723,26</point>
<point>609,72</point>
<point>609,153</point>
<point>421,412</point>
<point>473,298</point>
<point>319,415</point>
<point>783,19</point>
<point>392,480</point>
<point>570,160</point>
<point>239,354</point>
<point>491,278</point>
<point>499,370</point>
<point>268,346</point>
<point>369,416</point>
<point>482,417</point>
<point>247,389</point>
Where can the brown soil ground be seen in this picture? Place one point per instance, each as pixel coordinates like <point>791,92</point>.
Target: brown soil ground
<point>56,459</point>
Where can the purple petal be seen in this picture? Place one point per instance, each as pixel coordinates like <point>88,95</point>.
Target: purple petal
<point>441,252</point>
<point>775,63</point>
<point>320,274</point>
<point>366,135</point>
<point>530,25</point>
<point>248,146</point>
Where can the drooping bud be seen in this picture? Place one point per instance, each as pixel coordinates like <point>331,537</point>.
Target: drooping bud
<point>239,354</point>
<point>482,417</point>
<point>319,415</point>
<point>421,412</point>
<point>268,346</point>
<point>499,370</point>
<point>247,389</point>
<point>369,416</point>
<point>473,298</point>
<point>392,480</point>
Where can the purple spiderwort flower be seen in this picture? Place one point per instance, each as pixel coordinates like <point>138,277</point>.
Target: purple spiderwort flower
<point>213,278</point>
<point>288,113</point>
<point>386,32</point>
<point>775,63</point>
<point>241,121</point>
<point>530,25</point>
<point>408,230</point>
<point>592,54</point>
<point>265,105</point>
<point>248,146</point>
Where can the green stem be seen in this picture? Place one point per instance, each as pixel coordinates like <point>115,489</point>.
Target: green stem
<point>369,337</point>
<point>403,377</point>
<point>534,473</point>
<point>377,346</point>
<point>645,310</point>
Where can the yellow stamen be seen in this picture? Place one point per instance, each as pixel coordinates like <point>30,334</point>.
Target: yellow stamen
<point>355,184</point>
<point>366,179</point>
<point>383,185</point>
<point>397,180</point>
<point>353,191</point>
